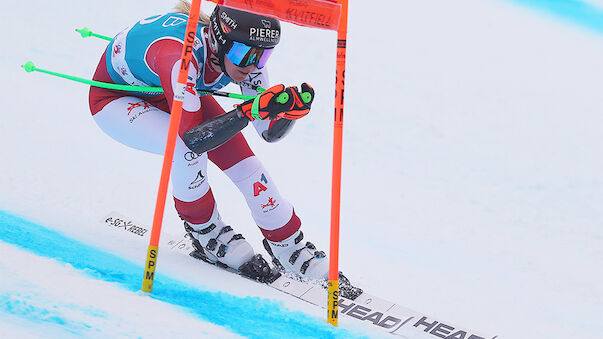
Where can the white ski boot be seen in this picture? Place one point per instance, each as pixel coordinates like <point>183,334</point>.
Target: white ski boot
<point>299,257</point>
<point>217,243</point>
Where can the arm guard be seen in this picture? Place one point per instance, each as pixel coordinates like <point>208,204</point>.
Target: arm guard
<point>214,132</point>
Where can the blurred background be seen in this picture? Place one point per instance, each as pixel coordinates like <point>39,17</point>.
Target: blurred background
<point>472,167</point>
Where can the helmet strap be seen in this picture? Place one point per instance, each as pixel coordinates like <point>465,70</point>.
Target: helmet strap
<point>213,59</point>
<point>221,60</point>
<point>218,58</point>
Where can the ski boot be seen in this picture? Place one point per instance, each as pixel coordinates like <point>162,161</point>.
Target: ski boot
<point>306,262</point>
<point>218,244</point>
<point>298,257</point>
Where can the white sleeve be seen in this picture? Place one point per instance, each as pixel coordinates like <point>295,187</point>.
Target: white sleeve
<point>257,78</point>
<point>186,93</point>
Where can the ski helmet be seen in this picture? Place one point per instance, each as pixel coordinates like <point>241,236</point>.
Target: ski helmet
<point>242,37</point>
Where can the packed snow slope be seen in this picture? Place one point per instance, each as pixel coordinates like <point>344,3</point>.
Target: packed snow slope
<point>56,296</point>
<point>40,297</point>
<point>472,169</point>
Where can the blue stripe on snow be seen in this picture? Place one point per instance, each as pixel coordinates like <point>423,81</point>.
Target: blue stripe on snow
<point>574,11</point>
<point>252,317</point>
<point>21,307</point>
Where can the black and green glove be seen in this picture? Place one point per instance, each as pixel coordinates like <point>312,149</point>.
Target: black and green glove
<point>279,102</point>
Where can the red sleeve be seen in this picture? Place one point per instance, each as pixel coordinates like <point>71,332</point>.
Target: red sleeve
<point>162,57</point>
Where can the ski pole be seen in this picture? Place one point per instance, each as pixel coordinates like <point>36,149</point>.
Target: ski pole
<point>86,33</point>
<point>30,67</point>
<point>227,94</point>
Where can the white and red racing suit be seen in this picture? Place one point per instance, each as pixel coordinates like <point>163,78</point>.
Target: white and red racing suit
<point>141,121</point>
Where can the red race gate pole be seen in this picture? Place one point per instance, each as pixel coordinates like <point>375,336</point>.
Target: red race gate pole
<point>176,114</point>
<point>333,284</point>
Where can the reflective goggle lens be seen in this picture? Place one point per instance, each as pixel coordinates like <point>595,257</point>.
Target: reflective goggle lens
<point>243,55</point>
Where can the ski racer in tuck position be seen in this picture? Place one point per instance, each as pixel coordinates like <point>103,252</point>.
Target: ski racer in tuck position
<point>231,46</point>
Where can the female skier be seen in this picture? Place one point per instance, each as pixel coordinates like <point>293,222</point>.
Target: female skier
<point>230,46</point>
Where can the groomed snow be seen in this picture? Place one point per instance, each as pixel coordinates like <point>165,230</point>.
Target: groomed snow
<point>43,298</point>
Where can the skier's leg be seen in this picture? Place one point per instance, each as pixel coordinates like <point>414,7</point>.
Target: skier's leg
<point>136,123</point>
<point>277,220</point>
<point>273,214</point>
<point>140,125</point>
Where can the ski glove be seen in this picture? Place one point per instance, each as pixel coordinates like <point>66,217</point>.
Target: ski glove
<point>301,102</point>
<point>279,102</point>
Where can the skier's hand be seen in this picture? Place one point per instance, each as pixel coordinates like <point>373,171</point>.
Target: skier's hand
<point>301,102</point>
<point>279,102</point>
<point>271,104</point>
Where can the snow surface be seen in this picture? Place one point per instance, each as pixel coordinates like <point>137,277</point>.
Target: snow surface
<point>56,300</point>
<point>47,294</point>
<point>472,184</point>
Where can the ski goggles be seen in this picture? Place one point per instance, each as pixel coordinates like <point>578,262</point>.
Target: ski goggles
<point>242,55</point>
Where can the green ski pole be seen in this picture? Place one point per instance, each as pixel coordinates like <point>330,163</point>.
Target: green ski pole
<point>86,33</point>
<point>30,67</point>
